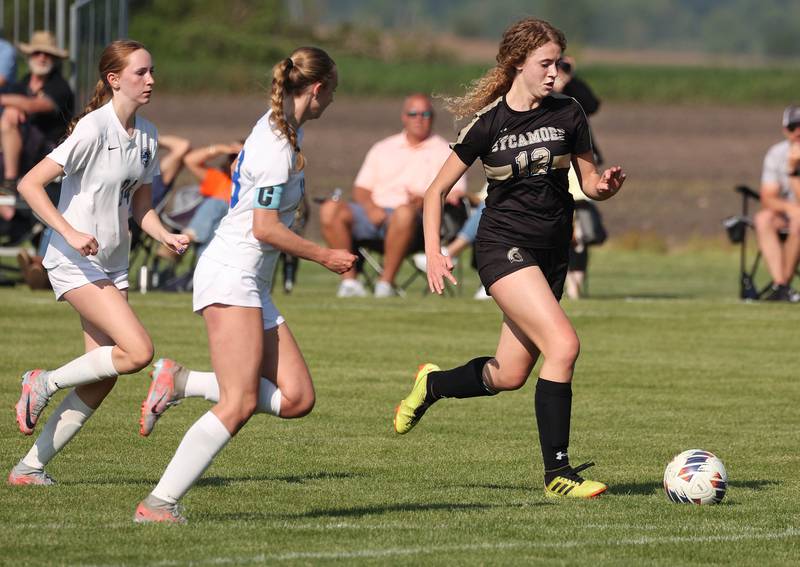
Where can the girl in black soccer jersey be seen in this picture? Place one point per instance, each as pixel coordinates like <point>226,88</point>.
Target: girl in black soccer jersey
<point>526,136</point>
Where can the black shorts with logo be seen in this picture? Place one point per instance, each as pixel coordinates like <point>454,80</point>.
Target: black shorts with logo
<point>495,261</point>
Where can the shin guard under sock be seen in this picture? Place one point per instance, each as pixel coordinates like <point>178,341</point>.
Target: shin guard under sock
<point>462,382</point>
<point>553,402</point>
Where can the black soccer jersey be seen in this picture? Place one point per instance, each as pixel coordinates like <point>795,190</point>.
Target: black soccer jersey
<point>526,156</point>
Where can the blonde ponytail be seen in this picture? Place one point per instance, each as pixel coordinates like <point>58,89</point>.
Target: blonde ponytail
<point>102,94</point>
<point>280,74</point>
<point>304,67</point>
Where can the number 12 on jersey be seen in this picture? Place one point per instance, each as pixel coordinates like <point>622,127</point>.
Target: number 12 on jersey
<point>538,164</point>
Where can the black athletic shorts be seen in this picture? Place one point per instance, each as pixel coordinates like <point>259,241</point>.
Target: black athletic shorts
<point>578,261</point>
<point>497,260</point>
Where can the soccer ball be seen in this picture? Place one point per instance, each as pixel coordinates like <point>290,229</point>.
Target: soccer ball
<point>695,477</point>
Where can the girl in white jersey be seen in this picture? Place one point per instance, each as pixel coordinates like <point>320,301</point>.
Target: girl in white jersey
<point>258,366</point>
<point>107,162</point>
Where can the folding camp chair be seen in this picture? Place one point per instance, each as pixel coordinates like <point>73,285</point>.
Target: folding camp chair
<point>737,227</point>
<point>370,268</point>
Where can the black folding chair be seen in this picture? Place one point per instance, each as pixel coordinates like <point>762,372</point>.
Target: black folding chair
<point>370,268</point>
<point>737,227</point>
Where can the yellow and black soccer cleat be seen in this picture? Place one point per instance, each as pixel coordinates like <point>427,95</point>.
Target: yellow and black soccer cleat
<point>567,483</point>
<point>411,409</point>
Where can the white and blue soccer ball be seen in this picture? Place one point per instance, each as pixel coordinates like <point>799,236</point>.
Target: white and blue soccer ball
<point>695,477</point>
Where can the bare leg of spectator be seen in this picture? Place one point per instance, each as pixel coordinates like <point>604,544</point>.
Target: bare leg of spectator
<point>336,221</point>
<point>791,251</point>
<point>11,140</point>
<point>767,225</point>
<point>399,232</point>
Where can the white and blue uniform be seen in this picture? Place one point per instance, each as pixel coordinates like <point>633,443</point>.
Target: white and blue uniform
<point>103,168</point>
<point>236,268</point>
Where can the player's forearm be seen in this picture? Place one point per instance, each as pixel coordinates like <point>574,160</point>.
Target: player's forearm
<point>279,236</point>
<point>40,203</point>
<point>151,224</point>
<point>432,219</point>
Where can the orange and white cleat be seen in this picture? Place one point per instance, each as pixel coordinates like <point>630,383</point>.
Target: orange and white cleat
<point>161,395</point>
<point>148,512</point>
<point>32,401</point>
<point>22,475</point>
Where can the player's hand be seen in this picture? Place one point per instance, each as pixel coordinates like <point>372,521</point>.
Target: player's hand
<point>178,243</point>
<point>376,215</point>
<point>439,267</point>
<point>85,244</point>
<point>338,260</point>
<point>610,182</point>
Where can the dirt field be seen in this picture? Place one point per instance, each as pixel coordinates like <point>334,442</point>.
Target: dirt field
<point>682,162</point>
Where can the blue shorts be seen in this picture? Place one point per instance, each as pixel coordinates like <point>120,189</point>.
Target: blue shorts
<point>206,218</point>
<point>363,229</point>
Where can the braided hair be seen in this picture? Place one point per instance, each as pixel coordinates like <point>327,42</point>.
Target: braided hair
<point>304,67</point>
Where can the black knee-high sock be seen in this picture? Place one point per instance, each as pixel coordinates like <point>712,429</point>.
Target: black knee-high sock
<point>462,382</point>
<point>553,402</point>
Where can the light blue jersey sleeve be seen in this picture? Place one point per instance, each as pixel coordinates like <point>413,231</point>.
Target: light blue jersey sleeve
<point>8,62</point>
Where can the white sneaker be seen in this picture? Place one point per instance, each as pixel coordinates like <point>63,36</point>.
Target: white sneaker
<point>420,261</point>
<point>351,288</point>
<point>384,289</point>
<point>481,294</point>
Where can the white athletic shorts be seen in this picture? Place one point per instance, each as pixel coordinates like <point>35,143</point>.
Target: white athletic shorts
<point>68,276</point>
<point>217,283</point>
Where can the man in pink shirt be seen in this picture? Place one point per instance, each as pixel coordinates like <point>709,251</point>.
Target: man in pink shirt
<point>387,195</point>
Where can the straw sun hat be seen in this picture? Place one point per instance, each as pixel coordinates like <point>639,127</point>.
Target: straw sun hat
<point>45,42</point>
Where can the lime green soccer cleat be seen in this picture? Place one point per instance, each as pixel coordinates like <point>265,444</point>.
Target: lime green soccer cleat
<point>569,484</point>
<point>411,409</point>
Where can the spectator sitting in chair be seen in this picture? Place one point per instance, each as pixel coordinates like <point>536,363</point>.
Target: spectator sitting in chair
<point>36,110</point>
<point>215,185</point>
<point>780,209</point>
<point>387,195</point>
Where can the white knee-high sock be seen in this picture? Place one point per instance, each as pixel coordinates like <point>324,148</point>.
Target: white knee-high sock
<point>62,426</point>
<point>198,448</point>
<point>93,366</point>
<point>205,385</point>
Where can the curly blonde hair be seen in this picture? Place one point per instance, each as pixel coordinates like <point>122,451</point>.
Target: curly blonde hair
<point>304,67</point>
<point>518,42</point>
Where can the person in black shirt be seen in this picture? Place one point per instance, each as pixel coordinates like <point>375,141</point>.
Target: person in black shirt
<point>526,136</point>
<point>36,110</point>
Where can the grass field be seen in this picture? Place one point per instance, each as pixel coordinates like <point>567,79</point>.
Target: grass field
<point>670,361</point>
<point>666,84</point>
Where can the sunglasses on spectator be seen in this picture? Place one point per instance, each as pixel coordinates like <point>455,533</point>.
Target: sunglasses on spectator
<point>38,53</point>
<point>793,127</point>
<point>423,114</point>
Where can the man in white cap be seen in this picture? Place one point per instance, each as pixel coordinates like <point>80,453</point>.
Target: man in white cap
<point>36,110</point>
<point>780,209</point>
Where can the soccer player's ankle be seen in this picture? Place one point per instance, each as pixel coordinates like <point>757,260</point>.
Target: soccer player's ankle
<point>49,385</point>
<point>549,475</point>
<point>179,383</point>
<point>153,501</point>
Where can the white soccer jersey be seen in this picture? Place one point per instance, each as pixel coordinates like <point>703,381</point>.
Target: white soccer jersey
<point>267,160</point>
<point>103,167</point>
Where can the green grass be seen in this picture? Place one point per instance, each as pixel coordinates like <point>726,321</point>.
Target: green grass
<point>670,361</point>
<point>613,83</point>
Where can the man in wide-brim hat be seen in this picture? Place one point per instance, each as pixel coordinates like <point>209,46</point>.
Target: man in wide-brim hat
<point>36,110</point>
